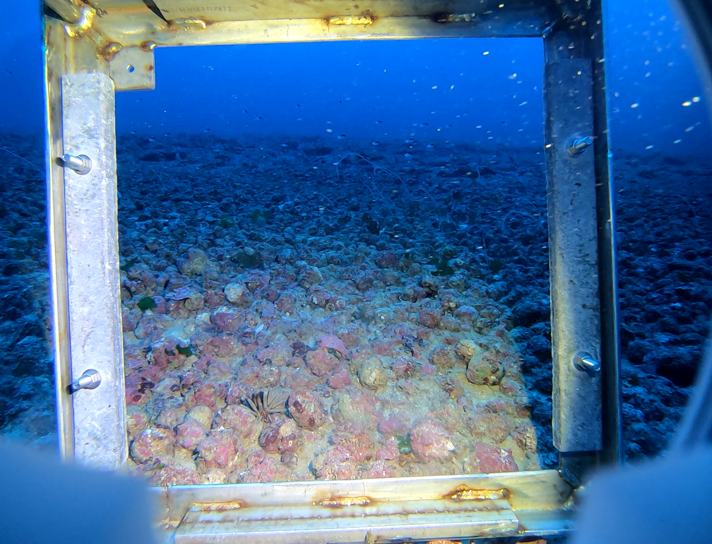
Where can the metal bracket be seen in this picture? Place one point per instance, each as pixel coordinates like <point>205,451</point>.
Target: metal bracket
<point>132,68</point>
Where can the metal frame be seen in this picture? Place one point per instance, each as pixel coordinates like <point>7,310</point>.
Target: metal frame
<point>98,42</point>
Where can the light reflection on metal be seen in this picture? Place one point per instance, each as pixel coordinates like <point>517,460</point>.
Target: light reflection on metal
<point>363,19</point>
<point>340,502</point>
<point>69,11</point>
<point>110,50</point>
<point>83,24</point>
<point>218,506</point>
<point>579,145</point>
<point>464,493</point>
<point>187,24</point>
<point>90,379</point>
<point>457,18</point>
<point>584,361</point>
<point>81,164</point>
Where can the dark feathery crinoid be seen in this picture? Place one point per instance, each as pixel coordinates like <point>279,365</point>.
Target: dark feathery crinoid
<point>265,403</point>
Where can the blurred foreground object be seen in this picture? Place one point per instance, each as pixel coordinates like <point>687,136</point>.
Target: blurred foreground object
<point>662,501</point>
<point>44,500</point>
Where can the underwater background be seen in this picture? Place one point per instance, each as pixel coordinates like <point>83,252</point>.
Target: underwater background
<point>334,255</point>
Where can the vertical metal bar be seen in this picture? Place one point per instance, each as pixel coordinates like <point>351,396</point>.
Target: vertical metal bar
<point>83,249</point>
<point>54,64</point>
<point>581,39</point>
<point>573,254</point>
<point>612,452</point>
<point>93,268</point>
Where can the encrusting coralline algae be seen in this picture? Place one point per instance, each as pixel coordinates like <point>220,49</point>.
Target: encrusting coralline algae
<point>373,342</point>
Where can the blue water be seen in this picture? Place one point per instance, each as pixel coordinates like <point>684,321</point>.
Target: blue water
<point>482,91</point>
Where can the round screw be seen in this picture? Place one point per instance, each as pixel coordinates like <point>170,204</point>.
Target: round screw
<point>81,164</point>
<point>579,145</point>
<point>584,361</point>
<point>90,379</point>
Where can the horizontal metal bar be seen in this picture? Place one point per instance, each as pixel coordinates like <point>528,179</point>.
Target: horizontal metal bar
<point>388,520</point>
<point>529,23</point>
<point>530,492</point>
<point>234,10</point>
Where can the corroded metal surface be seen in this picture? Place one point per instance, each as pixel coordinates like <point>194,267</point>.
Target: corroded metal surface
<point>316,524</point>
<point>518,503</point>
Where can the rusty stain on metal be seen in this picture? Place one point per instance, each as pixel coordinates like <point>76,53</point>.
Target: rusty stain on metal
<point>110,50</point>
<point>218,506</point>
<point>465,493</point>
<point>365,18</point>
<point>147,45</point>
<point>340,502</point>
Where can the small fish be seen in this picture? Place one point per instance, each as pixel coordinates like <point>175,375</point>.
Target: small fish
<point>410,141</point>
<point>341,137</point>
<point>375,143</point>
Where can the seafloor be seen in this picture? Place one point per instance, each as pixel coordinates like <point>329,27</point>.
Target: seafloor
<point>383,308</point>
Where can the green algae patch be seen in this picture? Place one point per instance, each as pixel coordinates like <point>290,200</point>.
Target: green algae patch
<point>146,303</point>
<point>184,350</point>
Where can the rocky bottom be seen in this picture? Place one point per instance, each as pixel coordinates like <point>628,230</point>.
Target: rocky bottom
<point>299,309</point>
